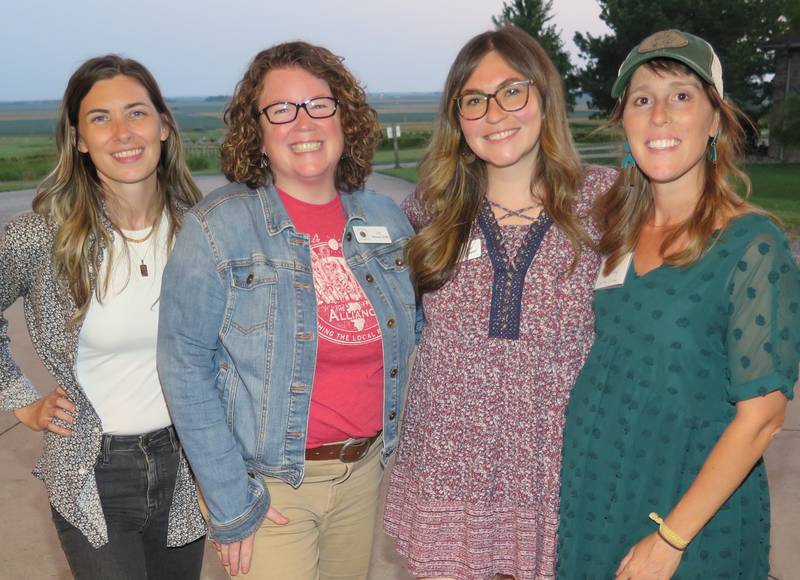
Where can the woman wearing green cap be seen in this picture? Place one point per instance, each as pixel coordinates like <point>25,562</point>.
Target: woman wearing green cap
<point>698,333</point>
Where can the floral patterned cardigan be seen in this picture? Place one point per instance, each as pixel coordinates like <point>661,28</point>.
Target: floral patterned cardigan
<point>67,464</point>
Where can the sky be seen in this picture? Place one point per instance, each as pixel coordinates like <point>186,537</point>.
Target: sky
<point>202,47</point>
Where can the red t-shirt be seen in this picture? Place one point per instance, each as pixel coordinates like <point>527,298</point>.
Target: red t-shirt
<point>347,395</point>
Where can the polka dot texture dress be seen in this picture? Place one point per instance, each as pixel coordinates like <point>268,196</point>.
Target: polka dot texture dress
<point>474,491</point>
<point>676,349</point>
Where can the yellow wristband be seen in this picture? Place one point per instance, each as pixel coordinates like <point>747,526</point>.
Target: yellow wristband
<point>667,534</point>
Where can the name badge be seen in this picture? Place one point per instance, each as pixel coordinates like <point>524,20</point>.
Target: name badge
<point>616,277</point>
<point>473,250</point>
<point>372,234</point>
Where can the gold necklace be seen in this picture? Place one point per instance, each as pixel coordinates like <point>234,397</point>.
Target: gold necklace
<point>143,271</point>
<point>139,240</point>
<point>142,266</point>
<point>153,227</point>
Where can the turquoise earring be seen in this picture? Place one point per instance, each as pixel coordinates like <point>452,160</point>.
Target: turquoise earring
<point>628,160</point>
<point>712,149</point>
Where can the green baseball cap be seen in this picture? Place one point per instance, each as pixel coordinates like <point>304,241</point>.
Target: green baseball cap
<point>686,48</point>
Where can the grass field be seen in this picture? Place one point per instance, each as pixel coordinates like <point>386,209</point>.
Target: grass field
<point>407,173</point>
<point>406,156</point>
<point>24,145</point>
<point>777,188</point>
<point>25,159</point>
<point>27,147</point>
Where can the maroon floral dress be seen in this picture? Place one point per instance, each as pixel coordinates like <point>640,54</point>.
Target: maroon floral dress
<point>475,489</point>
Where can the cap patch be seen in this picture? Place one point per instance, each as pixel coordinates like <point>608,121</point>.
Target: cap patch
<point>662,40</point>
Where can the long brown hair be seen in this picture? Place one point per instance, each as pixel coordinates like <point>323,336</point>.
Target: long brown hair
<point>241,150</point>
<point>623,211</point>
<point>453,180</point>
<point>72,194</point>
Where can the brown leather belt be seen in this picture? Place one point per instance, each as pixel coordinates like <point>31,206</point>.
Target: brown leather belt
<point>347,452</point>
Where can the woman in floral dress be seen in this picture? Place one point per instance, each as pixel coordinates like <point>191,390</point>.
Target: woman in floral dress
<point>502,264</point>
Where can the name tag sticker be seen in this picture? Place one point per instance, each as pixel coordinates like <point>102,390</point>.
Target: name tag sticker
<point>473,250</point>
<point>372,234</point>
<point>616,277</point>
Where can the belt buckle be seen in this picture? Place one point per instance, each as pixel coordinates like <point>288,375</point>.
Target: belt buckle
<point>353,443</point>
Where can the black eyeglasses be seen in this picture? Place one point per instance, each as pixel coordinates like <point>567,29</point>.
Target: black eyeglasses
<point>286,111</point>
<point>510,97</point>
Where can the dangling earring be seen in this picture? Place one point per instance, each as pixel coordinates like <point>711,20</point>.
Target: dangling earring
<point>712,149</point>
<point>628,160</point>
<point>264,161</point>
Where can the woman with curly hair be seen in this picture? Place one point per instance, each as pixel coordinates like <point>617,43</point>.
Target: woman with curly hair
<point>88,262</point>
<point>286,323</point>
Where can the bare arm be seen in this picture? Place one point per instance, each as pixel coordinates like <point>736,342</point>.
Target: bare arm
<point>741,445</point>
<point>762,342</point>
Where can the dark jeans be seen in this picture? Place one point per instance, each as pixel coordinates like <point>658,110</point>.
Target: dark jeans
<point>135,478</point>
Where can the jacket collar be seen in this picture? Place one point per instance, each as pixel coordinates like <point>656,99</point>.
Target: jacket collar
<point>277,218</point>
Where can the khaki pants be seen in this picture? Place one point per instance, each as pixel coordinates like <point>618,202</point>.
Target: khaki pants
<point>331,522</point>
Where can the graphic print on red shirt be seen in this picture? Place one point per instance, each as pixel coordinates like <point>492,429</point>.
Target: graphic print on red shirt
<point>347,394</point>
<point>344,314</point>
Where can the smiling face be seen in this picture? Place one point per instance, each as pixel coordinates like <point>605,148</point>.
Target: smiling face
<point>121,130</point>
<point>304,153</point>
<point>502,139</point>
<point>668,119</point>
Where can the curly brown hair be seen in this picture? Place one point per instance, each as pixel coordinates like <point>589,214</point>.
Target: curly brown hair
<point>241,151</point>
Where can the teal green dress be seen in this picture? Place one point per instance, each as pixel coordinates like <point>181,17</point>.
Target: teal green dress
<point>675,350</point>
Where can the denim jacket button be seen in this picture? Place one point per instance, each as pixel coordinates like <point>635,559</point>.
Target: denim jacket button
<point>399,262</point>
<point>392,415</point>
<point>390,323</point>
<point>393,373</point>
<point>249,280</point>
<point>348,236</point>
<point>370,278</point>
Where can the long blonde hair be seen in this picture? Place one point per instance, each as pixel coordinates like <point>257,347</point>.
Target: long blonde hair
<point>623,211</point>
<point>72,194</point>
<point>453,180</point>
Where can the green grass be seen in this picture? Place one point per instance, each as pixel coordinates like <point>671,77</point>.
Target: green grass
<point>28,168</point>
<point>26,159</point>
<point>15,146</point>
<point>204,165</point>
<point>407,173</point>
<point>775,188</point>
<point>17,185</point>
<point>406,156</point>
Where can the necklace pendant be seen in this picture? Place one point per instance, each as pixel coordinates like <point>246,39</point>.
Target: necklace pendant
<point>143,270</point>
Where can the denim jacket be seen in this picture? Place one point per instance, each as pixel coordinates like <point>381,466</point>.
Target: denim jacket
<point>238,340</point>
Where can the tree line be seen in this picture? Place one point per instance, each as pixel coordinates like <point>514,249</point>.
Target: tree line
<point>741,32</point>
